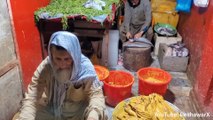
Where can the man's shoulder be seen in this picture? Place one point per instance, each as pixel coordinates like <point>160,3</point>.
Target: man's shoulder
<point>145,2</point>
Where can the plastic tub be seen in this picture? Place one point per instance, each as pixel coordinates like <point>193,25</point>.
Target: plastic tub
<point>102,72</point>
<point>153,80</point>
<point>117,87</point>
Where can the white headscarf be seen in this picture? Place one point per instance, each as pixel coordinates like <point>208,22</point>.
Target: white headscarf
<point>82,68</point>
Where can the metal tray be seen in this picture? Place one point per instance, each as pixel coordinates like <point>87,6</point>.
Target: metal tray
<point>165,29</point>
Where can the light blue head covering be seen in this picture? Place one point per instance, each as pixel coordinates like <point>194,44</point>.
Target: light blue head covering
<point>82,67</point>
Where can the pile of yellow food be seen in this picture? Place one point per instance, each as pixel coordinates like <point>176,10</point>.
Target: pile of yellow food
<point>152,107</point>
<point>101,71</point>
<point>101,75</point>
<point>154,80</point>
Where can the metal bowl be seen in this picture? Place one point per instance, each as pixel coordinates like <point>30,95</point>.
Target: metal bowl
<point>165,29</point>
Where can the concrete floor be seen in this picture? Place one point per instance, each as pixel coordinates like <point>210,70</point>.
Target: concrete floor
<point>178,92</point>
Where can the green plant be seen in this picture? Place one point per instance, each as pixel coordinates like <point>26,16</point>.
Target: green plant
<point>73,7</point>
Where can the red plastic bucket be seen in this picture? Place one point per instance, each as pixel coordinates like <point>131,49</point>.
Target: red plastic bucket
<point>117,87</point>
<point>153,80</point>
<point>102,72</point>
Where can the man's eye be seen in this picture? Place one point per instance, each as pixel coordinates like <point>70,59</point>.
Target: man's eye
<point>66,59</point>
<point>58,59</point>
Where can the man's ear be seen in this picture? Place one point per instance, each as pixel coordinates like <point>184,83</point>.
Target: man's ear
<point>52,47</point>
<point>50,52</point>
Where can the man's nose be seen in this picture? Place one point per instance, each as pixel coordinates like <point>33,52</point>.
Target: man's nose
<point>63,65</point>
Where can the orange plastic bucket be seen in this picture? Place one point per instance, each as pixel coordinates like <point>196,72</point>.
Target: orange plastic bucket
<point>102,72</point>
<point>153,80</point>
<point>117,87</point>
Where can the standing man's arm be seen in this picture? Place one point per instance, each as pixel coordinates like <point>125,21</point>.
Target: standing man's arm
<point>127,20</point>
<point>148,15</point>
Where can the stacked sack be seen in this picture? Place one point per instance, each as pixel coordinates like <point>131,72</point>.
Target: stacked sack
<point>177,49</point>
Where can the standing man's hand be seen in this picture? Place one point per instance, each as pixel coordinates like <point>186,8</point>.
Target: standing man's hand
<point>128,35</point>
<point>138,35</point>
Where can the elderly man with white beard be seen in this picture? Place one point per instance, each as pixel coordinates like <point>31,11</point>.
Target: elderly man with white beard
<point>65,85</point>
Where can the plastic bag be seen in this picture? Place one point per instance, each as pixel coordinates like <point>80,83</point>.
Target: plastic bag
<point>201,3</point>
<point>184,5</point>
<point>95,4</point>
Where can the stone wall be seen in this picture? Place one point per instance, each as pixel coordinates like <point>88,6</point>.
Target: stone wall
<point>10,75</point>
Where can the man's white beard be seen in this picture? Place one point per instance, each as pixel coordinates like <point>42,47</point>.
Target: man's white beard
<point>62,75</point>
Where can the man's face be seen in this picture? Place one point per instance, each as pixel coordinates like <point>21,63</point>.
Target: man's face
<point>61,59</point>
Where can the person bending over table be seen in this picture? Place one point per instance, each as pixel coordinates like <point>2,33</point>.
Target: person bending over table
<point>137,20</point>
<point>65,85</point>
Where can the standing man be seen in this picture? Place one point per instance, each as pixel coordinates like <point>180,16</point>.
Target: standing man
<point>137,20</point>
<point>65,85</point>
